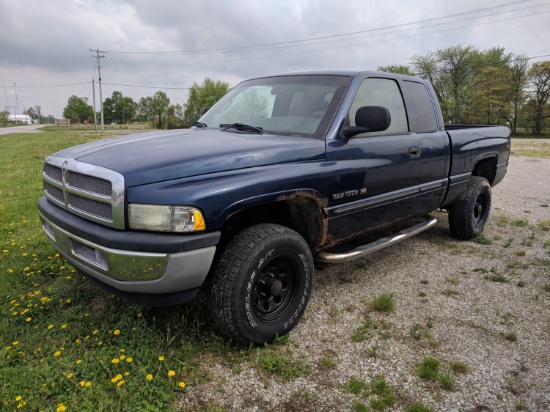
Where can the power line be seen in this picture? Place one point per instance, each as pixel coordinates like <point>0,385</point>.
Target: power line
<point>337,47</point>
<point>147,87</point>
<point>267,45</point>
<point>58,85</point>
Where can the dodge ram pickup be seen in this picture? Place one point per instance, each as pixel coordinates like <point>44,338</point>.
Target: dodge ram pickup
<point>270,178</point>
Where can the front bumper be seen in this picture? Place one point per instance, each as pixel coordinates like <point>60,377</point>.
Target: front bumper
<point>130,261</point>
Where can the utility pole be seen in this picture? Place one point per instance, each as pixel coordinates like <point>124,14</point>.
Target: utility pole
<point>100,91</point>
<point>95,113</point>
<point>16,102</point>
<point>166,86</point>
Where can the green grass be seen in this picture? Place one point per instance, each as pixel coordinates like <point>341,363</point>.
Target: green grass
<point>428,369</point>
<point>383,303</point>
<point>418,407</point>
<point>355,386</point>
<point>65,341</point>
<point>459,367</point>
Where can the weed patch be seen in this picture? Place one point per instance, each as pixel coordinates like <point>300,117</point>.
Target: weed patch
<point>384,303</point>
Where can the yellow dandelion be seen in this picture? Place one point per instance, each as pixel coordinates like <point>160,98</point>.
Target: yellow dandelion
<point>120,383</point>
<point>149,377</point>
<point>5,250</point>
<point>78,340</point>
<point>181,384</point>
<point>79,361</point>
<point>126,373</point>
<point>171,373</point>
<point>63,326</point>
<point>28,319</point>
<point>122,350</point>
<point>161,358</point>
<point>70,375</point>
<point>95,332</point>
<point>50,326</point>
<point>116,378</point>
<point>10,270</point>
<point>61,408</point>
<point>122,357</point>
<point>82,383</point>
<point>68,300</point>
<point>88,384</point>
<point>24,254</point>
<point>57,353</point>
<point>116,332</point>
<point>115,360</point>
<point>15,343</point>
<point>129,360</point>
<point>18,398</point>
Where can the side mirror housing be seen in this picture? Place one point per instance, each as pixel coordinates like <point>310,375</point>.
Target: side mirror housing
<point>368,119</point>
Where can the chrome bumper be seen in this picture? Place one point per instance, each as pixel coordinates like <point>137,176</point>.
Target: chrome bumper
<point>130,271</point>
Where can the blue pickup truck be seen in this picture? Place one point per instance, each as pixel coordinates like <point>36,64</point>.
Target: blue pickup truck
<point>270,178</point>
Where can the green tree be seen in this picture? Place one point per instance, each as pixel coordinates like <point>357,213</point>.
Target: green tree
<point>35,113</point>
<point>539,80</point>
<point>4,116</point>
<point>155,108</point>
<point>176,117</point>
<point>399,69</point>
<point>517,78</point>
<point>119,109</point>
<point>201,97</point>
<point>78,109</point>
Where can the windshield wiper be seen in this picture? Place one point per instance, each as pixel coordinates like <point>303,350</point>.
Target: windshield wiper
<point>242,127</point>
<point>200,124</point>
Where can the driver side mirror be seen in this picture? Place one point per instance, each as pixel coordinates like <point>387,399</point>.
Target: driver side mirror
<point>368,119</point>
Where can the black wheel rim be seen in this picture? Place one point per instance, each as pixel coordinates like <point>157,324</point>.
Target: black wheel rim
<point>480,208</point>
<point>274,289</point>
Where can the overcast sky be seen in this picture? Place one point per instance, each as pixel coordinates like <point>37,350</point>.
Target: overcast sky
<point>46,43</point>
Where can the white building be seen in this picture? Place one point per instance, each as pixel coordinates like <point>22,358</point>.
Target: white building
<point>20,118</point>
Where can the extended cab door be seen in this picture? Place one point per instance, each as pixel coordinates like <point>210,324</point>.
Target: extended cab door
<point>434,144</point>
<point>373,177</point>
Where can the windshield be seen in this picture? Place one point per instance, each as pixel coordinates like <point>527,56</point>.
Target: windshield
<point>289,105</point>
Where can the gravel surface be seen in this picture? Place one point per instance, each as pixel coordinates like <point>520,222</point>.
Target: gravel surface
<point>484,305</point>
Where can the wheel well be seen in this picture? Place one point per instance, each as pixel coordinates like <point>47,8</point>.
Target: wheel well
<point>302,215</point>
<point>486,168</point>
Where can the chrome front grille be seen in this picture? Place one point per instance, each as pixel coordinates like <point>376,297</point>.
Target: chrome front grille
<point>89,183</point>
<point>90,207</point>
<point>92,192</point>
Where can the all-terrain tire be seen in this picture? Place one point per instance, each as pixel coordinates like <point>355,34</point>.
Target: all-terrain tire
<point>468,215</point>
<point>261,284</point>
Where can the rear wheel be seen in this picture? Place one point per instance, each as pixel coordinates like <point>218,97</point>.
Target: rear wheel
<point>261,284</point>
<point>468,215</point>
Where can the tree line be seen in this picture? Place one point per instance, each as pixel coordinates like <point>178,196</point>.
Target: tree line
<point>485,86</point>
<point>473,87</point>
<point>156,109</point>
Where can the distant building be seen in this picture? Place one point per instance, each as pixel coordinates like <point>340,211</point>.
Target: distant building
<point>19,118</point>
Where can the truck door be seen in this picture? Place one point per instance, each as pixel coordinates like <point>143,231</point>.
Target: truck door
<point>434,143</point>
<point>373,177</point>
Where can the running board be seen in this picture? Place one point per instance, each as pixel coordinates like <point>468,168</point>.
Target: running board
<point>374,246</point>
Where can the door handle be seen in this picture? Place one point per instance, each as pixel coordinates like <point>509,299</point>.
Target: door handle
<point>414,152</point>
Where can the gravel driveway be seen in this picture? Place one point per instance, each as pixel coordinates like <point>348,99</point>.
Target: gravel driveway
<point>482,309</point>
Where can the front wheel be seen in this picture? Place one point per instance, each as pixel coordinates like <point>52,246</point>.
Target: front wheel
<point>261,284</point>
<point>468,215</point>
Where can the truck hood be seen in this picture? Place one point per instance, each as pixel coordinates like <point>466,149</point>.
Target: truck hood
<point>159,156</point>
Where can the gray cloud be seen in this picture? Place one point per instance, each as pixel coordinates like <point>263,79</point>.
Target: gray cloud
<point>49,45</point>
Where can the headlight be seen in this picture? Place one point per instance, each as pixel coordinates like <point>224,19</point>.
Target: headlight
<point>161,218</point>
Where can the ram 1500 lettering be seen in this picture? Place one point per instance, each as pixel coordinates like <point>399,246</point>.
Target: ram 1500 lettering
<point>276,173</point>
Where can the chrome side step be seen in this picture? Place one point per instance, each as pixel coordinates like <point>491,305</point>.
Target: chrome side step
<point>374,246</point>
